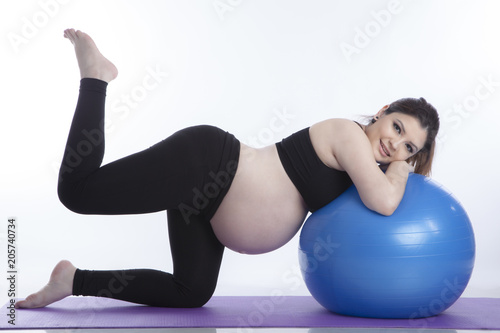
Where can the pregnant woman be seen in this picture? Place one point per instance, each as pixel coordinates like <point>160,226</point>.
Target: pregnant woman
<point>218,192</point>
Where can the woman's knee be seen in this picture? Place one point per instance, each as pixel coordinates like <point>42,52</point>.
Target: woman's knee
<point>197,301</point>
<point>196,295</point>
<point>69,199</point>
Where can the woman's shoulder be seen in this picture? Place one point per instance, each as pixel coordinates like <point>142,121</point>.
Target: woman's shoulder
<point>338,122</point>
<point>332,136</point>
<point>336,127</point>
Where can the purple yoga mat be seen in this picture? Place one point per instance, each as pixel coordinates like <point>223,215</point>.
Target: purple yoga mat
<point>238,312</point>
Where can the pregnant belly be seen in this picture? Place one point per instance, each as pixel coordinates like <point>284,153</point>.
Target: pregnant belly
<point>254,229</point>
<point>262,210</point>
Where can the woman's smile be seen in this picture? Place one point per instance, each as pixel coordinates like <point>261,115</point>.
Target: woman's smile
<point>383,150</point>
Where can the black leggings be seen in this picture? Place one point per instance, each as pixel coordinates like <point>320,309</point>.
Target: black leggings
<point>186,174</point>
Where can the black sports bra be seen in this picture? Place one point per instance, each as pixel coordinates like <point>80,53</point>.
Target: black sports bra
<point>317,183</point>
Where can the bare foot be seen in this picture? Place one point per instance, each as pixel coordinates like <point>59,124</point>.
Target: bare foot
<point>91,62</point>
<point>60,286</point>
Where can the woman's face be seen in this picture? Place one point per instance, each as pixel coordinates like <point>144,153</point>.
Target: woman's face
<point>395,137</point>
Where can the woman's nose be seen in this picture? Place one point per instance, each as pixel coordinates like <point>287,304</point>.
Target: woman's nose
<point>395,144</point>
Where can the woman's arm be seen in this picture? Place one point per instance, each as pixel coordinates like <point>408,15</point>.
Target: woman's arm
<point>397,175</point>
<point>353,153</point>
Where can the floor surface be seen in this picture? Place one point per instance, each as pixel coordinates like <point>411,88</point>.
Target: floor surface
<point>251,330</point>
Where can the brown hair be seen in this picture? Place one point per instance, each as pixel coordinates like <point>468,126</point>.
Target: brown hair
<point>429,120</point>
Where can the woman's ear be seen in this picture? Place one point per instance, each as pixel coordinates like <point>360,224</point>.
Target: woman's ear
<point>381,112</point>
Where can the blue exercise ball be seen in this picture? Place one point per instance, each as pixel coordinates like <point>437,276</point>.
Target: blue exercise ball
<point>413,264</point>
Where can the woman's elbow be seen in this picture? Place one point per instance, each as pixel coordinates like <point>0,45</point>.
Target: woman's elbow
<point>384,207</point>
<point>388,210</point>
<point>383,200</point>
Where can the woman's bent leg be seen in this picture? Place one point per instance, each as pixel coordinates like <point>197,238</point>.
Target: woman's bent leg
<point>167,176</point>
<point>197,256</point>
<point>152,180</point>
<point>161,177</point>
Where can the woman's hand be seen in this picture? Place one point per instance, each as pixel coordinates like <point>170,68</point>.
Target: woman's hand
<point>408,166</point>
<point>397,173</point>
<point>403,168</point>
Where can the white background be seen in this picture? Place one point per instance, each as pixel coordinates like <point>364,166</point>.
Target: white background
<point>237,64</point>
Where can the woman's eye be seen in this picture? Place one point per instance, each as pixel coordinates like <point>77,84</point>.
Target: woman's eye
<point>397,128</point>
<point>409,148</point>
